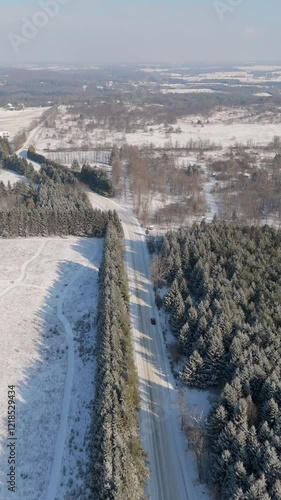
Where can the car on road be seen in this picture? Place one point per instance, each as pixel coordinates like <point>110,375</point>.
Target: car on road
<point>153,321</point>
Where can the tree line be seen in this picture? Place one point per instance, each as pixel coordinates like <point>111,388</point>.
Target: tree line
<point>19,165</point>
<point>10,161</point>
<point>55,206</point>
<point>96,178</point>
<point>118,470</point>
<point>223,301</point>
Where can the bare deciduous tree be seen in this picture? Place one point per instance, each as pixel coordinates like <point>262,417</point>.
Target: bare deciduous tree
<point>192,424</point>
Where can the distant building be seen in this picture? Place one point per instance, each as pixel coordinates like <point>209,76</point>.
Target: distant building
<point>4,134</point>
<point>9,106</point>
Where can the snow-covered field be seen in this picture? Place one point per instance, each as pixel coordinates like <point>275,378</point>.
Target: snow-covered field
<point>48,293</point>
<point>222,134</point>
<point>16,121</point>
<point>225,127</point>
<point>247,75</point>
<point>189,91</point>
<point>263,94</point>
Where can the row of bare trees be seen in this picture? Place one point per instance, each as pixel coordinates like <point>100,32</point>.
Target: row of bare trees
<point>161,190</point>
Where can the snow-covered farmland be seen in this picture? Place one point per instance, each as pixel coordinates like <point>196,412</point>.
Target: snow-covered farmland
<point>244,77</point>
<point>225,135</point>
<point>18,120</point>
<point>48,293</point>
<point>225,127</point>
<point>263,94</point>
<point>247,75</point>
<point>189,91</point>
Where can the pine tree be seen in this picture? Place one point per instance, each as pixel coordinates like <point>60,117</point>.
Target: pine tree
<point>191,372</point>
<point>258,490</point>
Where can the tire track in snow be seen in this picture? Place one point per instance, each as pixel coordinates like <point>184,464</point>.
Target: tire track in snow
<point>62,430</point>
<point>23,271</point>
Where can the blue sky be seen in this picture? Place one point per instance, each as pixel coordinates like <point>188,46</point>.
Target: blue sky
<point>140,31</point>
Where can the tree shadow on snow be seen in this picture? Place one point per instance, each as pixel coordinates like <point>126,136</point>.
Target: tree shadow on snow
<point>40,391</point>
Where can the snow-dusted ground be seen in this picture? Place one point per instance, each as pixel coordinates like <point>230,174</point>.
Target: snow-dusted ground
<point>263,94</point>
<point>225,127</point>
<point>48,293</point>
<point>189,91</point>
<point>12,177</point>
<point>220,133</point>
<point>16,121</point>
<point>245,75</point>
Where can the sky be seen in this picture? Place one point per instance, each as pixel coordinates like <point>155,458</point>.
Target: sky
<point>138,31</point>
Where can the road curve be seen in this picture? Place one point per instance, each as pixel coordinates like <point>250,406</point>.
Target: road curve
<point>159,416</point>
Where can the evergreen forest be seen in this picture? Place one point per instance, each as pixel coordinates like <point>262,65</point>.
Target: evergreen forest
<point>223,298</point>
<point>96,178</point>
<point>52,203</point>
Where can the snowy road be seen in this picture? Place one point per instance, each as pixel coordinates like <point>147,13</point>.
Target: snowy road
<point>159,416</point>
<point>208,187</point>
<point>31,140</point>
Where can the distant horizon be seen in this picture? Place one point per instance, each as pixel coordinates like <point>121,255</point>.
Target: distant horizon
<point>91,64</point>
